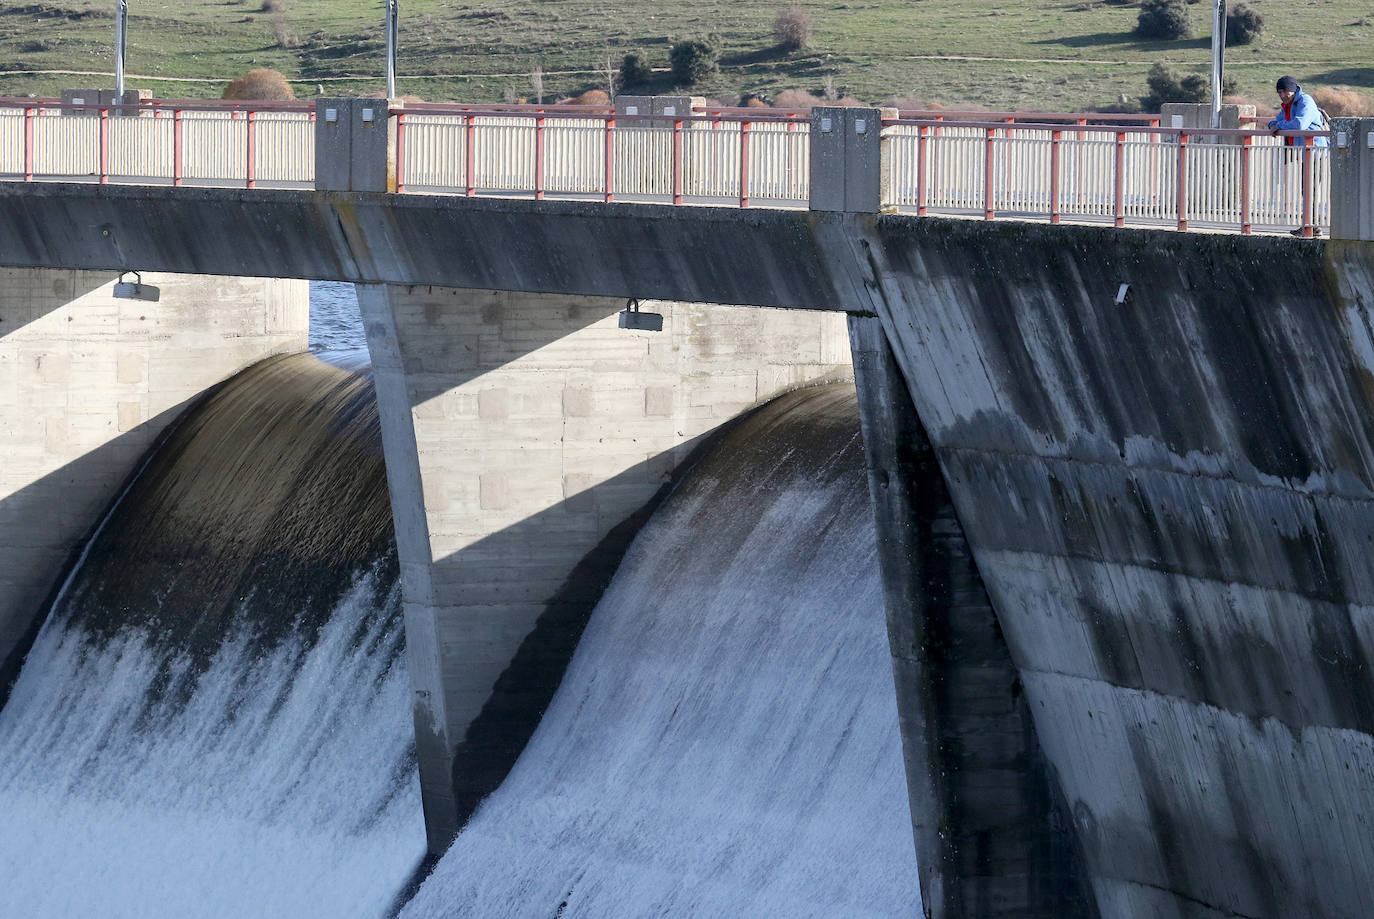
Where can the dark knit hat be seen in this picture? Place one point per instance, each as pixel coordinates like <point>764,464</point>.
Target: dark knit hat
<point>1287,83</point>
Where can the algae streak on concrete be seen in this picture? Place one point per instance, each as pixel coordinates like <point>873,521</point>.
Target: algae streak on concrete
<point>1171,501</point>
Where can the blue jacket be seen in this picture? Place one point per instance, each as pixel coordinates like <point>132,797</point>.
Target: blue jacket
<point>1305,116</point>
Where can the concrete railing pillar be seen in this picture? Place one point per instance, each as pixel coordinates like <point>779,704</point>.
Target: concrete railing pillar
<point>90,101</point>
<point>1352,178</point>
<point>654,105</point>
<point>847,159</point>
<point>355,145</point>
<point>1198,115</point>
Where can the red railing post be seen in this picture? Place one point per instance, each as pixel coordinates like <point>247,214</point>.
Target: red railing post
<point>539,157</point>
<point>1308,205</point>
<point>251,171</point>
<point>1055,137</point>
<point>28,143</point>
<point>988,212</point>
<point>610,158</point>
<point>677,161</point>
<point>1119,191</point>
<point>104,177</point>
<point>744,164</point>
<point>1245,146</point>
<point>1181,193</point>
<point>922,141</point>
<point>470,152</point>
<point>177,149</point>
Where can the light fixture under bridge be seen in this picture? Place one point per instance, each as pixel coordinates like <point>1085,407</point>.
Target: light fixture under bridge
<point>135,289</point>
<point>632,318</point>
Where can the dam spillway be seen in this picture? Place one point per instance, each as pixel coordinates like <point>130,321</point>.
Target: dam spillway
<point>725,741</point>
<point>213,722</point>
<point>214,719</point>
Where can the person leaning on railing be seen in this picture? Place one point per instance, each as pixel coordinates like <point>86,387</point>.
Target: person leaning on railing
<point>1297,112</point>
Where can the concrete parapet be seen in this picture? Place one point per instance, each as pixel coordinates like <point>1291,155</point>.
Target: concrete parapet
<point>521,431</point>
<point>1352,179</point>
<point>90,101</point>
<point>1194,115</point>
<point>87,382</point>
<point>847,158</point>
<point>654,105</point>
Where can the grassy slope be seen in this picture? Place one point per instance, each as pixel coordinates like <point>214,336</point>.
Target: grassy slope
<point>1052,54</point>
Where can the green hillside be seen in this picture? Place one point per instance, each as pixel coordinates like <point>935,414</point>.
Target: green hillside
<point>995,54</point>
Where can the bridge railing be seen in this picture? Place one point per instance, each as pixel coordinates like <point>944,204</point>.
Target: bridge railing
<point>721,157</point>
<point>1133,172</point>
<point>1141,175</point>
<point>167,142</point>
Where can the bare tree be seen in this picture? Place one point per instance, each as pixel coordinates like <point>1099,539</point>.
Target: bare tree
<point>537,84</point>
<point>611,75</point>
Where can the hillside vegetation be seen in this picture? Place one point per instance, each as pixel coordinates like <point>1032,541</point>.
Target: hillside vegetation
<point>1063,55</point>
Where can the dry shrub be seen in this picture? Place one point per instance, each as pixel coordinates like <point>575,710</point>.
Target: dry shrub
<point>1343,102</point>
<point>263,85</point>
<point>282,33</point>
<point>792,28</point>
<point>800,98</point>
<point>591,97</point>
<point>274,6</point>
<point>797,98</point>
<point>756,102</point>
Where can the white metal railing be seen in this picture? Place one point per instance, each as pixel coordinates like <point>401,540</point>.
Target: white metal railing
<point>1055,167</point>
<point>173,143</point>
<point>1141,175</point>
<point>717,157</point>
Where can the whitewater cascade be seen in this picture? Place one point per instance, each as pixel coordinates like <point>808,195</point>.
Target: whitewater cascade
<point>215,719</point>
<point>725,741</point>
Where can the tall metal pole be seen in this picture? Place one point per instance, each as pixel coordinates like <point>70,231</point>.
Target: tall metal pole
<point>121,22</point>
<point>392,13</point>
<point>1218,52</point>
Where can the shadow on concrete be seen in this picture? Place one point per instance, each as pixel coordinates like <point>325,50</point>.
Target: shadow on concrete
<point>495,739</point>
<point>100,477</point>
<point>15,315</point>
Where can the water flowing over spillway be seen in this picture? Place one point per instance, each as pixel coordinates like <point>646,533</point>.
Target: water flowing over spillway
<point>725,742</point>
<point>215,719</point>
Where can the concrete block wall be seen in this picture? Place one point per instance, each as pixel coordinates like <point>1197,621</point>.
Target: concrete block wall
<point>86,384</point>
<point>1352,179</point>
<point>519,430</point>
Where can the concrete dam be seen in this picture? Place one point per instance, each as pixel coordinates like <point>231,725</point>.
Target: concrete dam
<point>1120,484</point>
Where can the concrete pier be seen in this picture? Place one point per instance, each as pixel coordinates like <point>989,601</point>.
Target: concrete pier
<point>520,431</point>
<point>87,382</point>
<point>991,827</point>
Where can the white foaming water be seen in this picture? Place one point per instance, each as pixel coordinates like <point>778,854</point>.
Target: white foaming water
<point>725,742</point>
<point>284,785</point>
